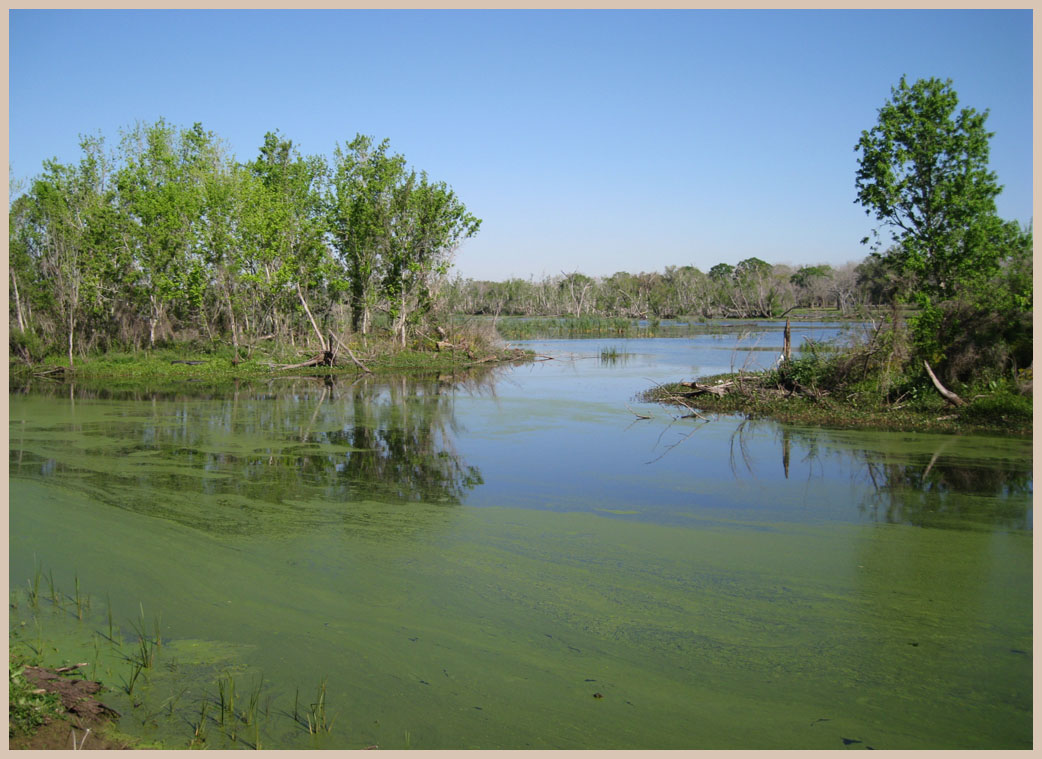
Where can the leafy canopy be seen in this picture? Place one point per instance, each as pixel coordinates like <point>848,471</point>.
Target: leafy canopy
<point>924,174</point>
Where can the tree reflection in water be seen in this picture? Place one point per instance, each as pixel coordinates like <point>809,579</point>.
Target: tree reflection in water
<point>286,455</point>
<point>952,486</point>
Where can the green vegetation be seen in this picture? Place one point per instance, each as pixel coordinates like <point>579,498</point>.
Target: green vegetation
<point>466,344</point>
<point>170,241</point>
<point>924,175</point>
<point>962,358</point>
<point>27,708</point>
<point>869,383</point>
<point>754,289</point>
<point>228,709</point>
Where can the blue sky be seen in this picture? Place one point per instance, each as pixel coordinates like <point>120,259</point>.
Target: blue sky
<point>595,141</point>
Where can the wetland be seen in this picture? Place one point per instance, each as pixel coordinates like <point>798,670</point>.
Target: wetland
<point>522,556</point>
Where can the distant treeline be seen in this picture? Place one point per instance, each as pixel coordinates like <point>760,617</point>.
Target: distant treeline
<point>751,289</point>
<point>169,237</point>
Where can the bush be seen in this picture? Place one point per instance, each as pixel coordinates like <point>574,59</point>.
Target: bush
<point>813,368</point>
<point>1003,407</point>
<point>27,345</point>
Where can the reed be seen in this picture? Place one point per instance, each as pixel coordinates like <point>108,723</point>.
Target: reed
<point>249,715</point>
<point>82,603</point>
<point>199,729</point>
<point>146,643</point>
<point>55,595</point>
<point>34,585</point>
<point>135,672</point>
<point>317,720</point>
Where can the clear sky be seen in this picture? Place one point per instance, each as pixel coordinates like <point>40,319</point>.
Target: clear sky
<point>595,141</point>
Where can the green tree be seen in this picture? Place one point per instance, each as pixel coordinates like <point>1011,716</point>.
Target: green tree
<point>721,272</point>
<point>160,208</point>
<point>63,234</point>
<point>360,199</point>
<point>283,230</point>
<point>923,173</point>
<point>429,223</point>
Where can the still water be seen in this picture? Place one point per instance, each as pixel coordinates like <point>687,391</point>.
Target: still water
<point>514,559</point>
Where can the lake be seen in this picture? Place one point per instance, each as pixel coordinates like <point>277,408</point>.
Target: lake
<point>513,559</point>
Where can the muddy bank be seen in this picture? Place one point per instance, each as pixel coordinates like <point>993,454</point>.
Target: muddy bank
<point>84,722</point>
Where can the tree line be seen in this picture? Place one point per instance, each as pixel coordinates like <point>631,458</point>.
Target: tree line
<point>752,288</point>
<point>170,237</point>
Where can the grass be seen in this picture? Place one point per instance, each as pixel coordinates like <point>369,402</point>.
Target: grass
<point>167,365</point>
<point>856,407</point>
<point>872,380</point>
<point>239,709</point>
<point>27,709</point>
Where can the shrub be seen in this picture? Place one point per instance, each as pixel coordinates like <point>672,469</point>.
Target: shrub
<point>27,345</point>
<point>1003,407</point>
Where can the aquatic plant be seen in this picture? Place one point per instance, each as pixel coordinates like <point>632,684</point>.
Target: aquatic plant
<point>315,718</point>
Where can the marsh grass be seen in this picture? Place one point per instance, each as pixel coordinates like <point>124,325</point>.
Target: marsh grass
<point>34,585</point>
<point>54,594</point>
<point>226,704</point>
<point>145,653</point>
<point>191,362</point>
<point>315,720</point>
<point>157,689</point>
<point>82,603</point>
<point>199,728</point>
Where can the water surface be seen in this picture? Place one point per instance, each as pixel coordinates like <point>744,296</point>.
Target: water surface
<point>515,560</point>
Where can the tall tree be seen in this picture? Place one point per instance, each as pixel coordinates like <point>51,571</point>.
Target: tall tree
<point>160,207</point>
<point>285,226</point>
<point>360,211</point>
<point>923,173</point>
<point>429,224</point>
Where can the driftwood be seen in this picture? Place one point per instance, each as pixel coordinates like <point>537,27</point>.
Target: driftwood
<point>325,358</point>
<point>948,395</point>
<point>358,363</point>
<point>639,416</point>
<point>720,389</point>
<point>698,388</point>
<point>322,359</point>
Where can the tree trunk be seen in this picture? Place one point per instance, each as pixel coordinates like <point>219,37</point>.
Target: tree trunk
<point>231,320</point>
<point>17,302</point>
<point>72,330</point>
<point>949,396</point>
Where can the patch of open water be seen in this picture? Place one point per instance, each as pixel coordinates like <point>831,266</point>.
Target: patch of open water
<point>466,562</point>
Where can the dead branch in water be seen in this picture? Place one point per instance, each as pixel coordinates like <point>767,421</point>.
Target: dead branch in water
<point>639,416</point>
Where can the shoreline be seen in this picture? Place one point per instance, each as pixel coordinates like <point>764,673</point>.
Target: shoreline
<point>757,399</point>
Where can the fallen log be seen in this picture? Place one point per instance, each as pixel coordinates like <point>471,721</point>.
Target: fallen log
<point>358,363</point>
<point>325,358</point>
<point>700,388</point>
<point>947,394</point>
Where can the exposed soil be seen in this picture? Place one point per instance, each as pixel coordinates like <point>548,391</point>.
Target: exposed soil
<point>82,712</point>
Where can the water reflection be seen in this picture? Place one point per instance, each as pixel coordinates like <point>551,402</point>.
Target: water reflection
<point>289,455</point>
<point>925,481</point>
